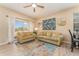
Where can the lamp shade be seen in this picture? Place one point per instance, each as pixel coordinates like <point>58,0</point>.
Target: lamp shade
<point>36,29</point>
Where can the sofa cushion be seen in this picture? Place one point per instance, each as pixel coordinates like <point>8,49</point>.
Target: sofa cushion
<point>24,35</point>
<point>49,34</point>
<point>44,33</point>
<point>54,37</point>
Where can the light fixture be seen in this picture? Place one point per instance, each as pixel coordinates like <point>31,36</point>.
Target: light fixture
<point>34,5</point>
<point>36,29</point>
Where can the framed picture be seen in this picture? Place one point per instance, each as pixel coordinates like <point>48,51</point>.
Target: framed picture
<point>62,21</point>
<point>49,24</point>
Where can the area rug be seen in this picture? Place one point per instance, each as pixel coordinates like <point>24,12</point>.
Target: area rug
<point>42,49</point>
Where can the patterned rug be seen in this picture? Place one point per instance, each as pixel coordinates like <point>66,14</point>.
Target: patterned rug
<point>41,49</point>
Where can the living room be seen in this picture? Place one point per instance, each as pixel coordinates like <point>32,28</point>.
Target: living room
<point>27,28</point>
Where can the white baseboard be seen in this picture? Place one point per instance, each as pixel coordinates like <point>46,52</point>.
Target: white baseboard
<point>4,43</point>
<point>66,42</point>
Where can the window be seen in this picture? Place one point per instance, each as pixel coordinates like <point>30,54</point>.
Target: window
<point>21,25</point>
<point>76,22</point>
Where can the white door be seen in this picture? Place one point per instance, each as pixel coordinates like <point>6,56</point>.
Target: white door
<point>3,29</point>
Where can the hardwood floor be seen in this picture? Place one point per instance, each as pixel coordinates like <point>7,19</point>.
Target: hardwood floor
<point>22,49</point>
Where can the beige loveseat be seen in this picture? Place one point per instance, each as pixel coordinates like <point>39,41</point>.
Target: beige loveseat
<point>24,36</point>
<point>50,37</point>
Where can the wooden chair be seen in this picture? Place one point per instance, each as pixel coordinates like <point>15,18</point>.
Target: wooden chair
<point>74,40</point>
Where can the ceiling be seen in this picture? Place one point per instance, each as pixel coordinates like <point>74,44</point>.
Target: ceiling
<point>49,9</point>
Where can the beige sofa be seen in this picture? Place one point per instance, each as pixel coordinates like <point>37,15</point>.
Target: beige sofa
<point>24,36</point>
<point>51,37</point>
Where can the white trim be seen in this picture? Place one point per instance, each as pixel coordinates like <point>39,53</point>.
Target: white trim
<point>66,42</point>
<point>14,27</point>
<point>13,24</point>
<point>21,19</point>
<point>9,31</point>
<point>4,43</point>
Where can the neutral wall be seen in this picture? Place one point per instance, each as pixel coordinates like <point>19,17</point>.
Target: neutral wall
<point>4,21</point>
<point>67,14</point>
